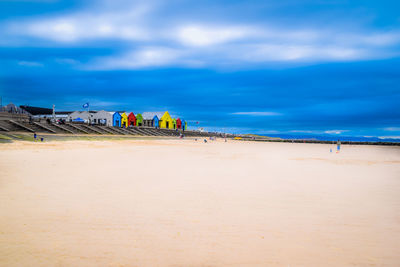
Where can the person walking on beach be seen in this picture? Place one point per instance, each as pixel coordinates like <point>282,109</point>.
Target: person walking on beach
<point>338,146</point>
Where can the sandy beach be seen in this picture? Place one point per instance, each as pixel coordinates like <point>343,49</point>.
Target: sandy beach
<point>187,203</point>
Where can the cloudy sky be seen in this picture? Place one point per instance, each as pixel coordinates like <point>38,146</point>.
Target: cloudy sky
<point>288,66</point>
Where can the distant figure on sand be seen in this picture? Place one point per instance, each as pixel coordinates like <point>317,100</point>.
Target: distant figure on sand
<point>338,146</point>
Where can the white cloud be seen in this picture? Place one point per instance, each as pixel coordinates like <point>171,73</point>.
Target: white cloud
<point>392,129</point>
<point>199,43</point>
<point>77,27</point>
<point>155,56</point>
<point>301,131</point>
<point>380,39</point>
<point>30,64</point>
<point>68,61</point>
<point>389,137</point>
<point>335,131</point>
<point>200,35</point>
<point>257,113</point>
<point>295,52</point>
<point>141,58</point>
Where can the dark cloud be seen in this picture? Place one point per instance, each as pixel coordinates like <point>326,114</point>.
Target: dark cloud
<point>325,65</point>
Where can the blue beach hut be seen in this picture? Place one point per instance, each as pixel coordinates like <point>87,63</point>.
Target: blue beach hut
<point>183,124</point>
<point>155,121</point>
<point>117,119</point>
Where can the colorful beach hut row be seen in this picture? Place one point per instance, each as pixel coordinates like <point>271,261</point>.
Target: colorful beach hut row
<point>149,119</point>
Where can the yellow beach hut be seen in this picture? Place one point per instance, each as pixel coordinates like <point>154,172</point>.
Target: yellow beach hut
<point>166,121</point>
<point>124,120</point>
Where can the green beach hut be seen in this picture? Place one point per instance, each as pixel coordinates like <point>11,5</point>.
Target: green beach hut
<point>139,119</point>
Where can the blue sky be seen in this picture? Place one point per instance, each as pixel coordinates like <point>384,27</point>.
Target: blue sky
<point>289,66</point>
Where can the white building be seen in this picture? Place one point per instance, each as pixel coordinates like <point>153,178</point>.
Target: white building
<point>83,115</point>
<point>149,118</point>
<point>103,117</point>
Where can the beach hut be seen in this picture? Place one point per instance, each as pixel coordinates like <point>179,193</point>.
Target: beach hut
<point>183,124</point>
<point>151,119</point>
<point>156,122</point>
<point>178,123</point>
<point>131,119</point>
<point>117,119</point>
<point>173,123</point>
<point>139,119</point>
<point>124,120</point>
<point>165,121</point>
<point>103,117</point>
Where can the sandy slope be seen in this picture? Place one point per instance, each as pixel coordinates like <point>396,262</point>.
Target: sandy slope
<point>186,203</point>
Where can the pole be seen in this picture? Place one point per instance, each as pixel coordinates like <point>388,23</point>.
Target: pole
<point>54,113</point>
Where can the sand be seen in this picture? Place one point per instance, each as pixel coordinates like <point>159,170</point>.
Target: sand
<point>186,203</point>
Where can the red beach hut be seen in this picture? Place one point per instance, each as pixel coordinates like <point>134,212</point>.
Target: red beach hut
<point>178,123</point>
<point>131,119</point>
